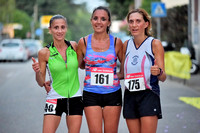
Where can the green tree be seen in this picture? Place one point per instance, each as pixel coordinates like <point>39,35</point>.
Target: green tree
<point>77,16</point>
<point>120,8</point>
<point>7,7</point>
<point>146,4</point>
<point>26,6</point>
<point>176,20</point>
<point>174,27</point>
<point>22,18</point>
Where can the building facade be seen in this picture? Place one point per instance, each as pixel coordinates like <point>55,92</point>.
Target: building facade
<point>195,27</point>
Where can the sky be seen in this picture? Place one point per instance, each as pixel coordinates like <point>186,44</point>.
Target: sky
<point>91,4</point>
<point>172,3</point>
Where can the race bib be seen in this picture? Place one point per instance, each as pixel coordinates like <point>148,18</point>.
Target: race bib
<point>50,107</point>
<point>102,76</point>
<point>135,82</point>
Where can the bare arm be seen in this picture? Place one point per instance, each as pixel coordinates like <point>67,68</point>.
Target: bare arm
<point>81,50</point>
<point>74,45</point>
<point>119,52</point>
<point>158,51</point>
<point>123,56</point>
<point>40,66</point>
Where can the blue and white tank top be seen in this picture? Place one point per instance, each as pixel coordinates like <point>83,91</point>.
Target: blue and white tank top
<point>100,69</point>
<point>140,60</point>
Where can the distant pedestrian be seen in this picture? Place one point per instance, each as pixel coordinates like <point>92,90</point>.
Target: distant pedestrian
<point>144,68</point>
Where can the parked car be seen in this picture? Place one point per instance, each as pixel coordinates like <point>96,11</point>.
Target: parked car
<point>195,64</point>
<point>13,49</point>
<point>33,46</point>
<point>168,46</point>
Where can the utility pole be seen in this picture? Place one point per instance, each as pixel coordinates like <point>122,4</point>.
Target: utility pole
<point>35,19</point>
<point>137,3</point>
<point>1,28</point>
<point>158,28</point>
<point>189,24</point>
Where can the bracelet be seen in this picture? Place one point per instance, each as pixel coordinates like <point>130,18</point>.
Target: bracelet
<point>161,72</point>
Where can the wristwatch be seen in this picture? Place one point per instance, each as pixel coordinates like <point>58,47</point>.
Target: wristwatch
<point>161,72</point>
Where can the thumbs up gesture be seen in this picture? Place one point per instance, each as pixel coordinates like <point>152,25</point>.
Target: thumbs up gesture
<point>155,70</point>
<point>35,65</point>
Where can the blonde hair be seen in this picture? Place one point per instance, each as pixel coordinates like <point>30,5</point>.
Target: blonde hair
<point>146,18</point>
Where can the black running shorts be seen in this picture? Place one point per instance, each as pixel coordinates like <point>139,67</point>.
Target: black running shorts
<point>110,99</point>
<point>140,104</point>
<point>71,106</point>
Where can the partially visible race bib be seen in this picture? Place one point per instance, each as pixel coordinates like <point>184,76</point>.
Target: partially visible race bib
<point>50,107</point>
<point>135,82</point>
<point>102,76</point>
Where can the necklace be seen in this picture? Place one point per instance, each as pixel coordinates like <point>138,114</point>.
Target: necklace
<point>99,48</point>
<point>100,45</point>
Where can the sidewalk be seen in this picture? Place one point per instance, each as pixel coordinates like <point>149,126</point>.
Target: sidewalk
<point>193,82</point>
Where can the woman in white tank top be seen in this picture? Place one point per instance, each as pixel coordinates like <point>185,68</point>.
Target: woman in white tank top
<point>143,69</point>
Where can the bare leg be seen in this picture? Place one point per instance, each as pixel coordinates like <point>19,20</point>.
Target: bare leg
<point>111,115</point>
<point>51,123</point>
<point>74,123</point>
<point>149,124</point>
<point>134,125</point>
<point>94,118</point>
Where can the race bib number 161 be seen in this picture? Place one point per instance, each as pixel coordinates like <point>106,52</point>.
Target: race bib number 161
<point>102,76</point>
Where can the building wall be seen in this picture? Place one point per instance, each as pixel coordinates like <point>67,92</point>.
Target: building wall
<point>195,27</point>
<point>173,3</point>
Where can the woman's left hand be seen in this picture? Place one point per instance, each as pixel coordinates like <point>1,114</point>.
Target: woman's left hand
<point>155,70</point>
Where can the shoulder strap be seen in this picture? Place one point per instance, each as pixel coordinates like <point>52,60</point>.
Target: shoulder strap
<point>115,41</point>
<point>84,41</point>
<point>48,45</point>
<point>69,44</point>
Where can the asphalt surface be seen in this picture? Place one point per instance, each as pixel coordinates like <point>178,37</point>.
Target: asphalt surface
<point>22,102</point>
<point>193,82</point>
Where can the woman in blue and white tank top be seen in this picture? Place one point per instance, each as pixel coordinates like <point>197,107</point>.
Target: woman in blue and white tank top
<point>143,69</point>
<point>102,94</point>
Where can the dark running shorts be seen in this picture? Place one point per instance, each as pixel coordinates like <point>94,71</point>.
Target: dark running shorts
<point>140,104</point>
<point>71,106</point>
<point>110,99</point>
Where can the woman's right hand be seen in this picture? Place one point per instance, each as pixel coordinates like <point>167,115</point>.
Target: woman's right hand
<point>47,86</point>
<point>35,65</point>
<point>40,66</point>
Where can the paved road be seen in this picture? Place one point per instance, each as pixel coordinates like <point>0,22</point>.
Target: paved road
<point>22,102</point>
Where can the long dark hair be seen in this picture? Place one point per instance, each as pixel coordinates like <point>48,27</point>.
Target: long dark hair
<point>109,15</point>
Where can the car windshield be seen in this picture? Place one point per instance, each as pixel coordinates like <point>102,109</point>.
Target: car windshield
<point>10,44</point>
<point>29,44</point>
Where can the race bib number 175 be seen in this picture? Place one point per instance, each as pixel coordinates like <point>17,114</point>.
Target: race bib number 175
<point>135,82</point>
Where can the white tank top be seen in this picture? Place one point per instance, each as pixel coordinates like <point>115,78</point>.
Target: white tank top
<point>140,60</point>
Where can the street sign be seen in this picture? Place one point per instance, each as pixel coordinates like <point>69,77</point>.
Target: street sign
<point>38,31</point>
<point>158,9</point>
<point>44,21</point>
